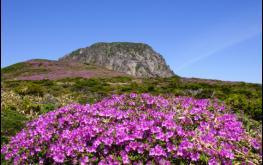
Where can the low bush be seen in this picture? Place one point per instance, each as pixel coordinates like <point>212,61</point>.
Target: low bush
<point>11,123</point>
<point>30,89</point>
<point>136,129</point>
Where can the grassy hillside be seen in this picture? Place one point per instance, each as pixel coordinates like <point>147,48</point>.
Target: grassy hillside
<point>40,69</point>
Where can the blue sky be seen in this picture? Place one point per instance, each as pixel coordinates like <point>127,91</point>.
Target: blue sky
<point>215,39</point>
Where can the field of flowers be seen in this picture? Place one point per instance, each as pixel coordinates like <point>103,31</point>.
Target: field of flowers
<point>136,129</point>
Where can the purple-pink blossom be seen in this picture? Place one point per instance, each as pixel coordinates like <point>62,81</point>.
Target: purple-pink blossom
<point>122,128</point>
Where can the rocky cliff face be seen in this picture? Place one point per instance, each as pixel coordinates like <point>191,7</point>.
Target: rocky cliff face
<point>135,59</point>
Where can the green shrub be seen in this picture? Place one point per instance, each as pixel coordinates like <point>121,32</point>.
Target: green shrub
<point>219,94</point>
<point>120,79</point>
<point>30,89</point>
<point>46,108</point>
<point>85,100</point>
<point>150,89</point>
<point>177,92</point>
<point>83,84</point>
<point>205,93</point>
<point>237,102</point>
<point>11,123</point>
<point>256,109</point>
<point>126,89</point>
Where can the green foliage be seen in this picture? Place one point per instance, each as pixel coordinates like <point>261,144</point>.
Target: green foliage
<point>13,68</point>
<point>240,97</point>
<point>126,89</point>
<point>135,157</point>
<point>74,53</point>
<point>11,123</point>
<point>46,108</point>
<point>204,159</point>
<point>120,79</point>
<point>242,103</point>
<point>85,100</point>
<point>180,162</point>
<point>81,84</point>
<point>150,89</point>
<point>205,93</point>
<point>30,89</point>
<point>256,109</point>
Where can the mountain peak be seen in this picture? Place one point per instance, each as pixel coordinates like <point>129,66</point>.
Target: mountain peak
<point>136,59</point>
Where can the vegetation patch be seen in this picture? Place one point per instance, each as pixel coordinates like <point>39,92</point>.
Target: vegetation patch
<point>136,129</point>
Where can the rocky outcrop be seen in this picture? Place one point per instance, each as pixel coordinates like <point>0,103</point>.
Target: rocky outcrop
<point>136,59</point>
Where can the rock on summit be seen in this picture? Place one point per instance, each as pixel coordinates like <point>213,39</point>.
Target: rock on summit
<point>136,59</point>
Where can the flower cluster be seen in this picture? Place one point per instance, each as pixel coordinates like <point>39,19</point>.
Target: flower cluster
<point>136,129</point>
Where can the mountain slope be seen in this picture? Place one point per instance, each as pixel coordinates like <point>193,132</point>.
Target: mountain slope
<point>39,69</point>
<point>136,59</point>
